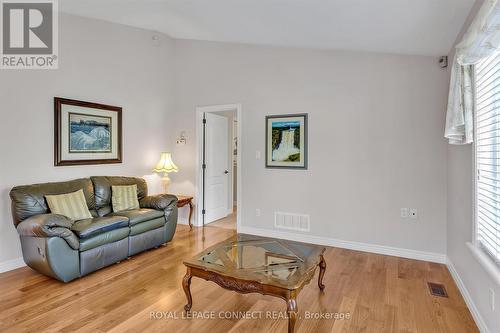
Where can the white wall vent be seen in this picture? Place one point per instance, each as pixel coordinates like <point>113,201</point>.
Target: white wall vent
<point>291,221</point>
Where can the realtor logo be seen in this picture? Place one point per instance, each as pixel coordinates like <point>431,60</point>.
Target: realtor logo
<point>29,34</point>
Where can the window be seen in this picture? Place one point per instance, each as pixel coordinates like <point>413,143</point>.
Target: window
<point>487,143</point>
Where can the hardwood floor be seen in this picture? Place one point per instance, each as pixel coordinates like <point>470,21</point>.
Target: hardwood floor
<point>229,222</point>
<point>381,294</point>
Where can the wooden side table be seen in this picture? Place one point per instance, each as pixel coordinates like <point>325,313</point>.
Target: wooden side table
<point>184,200</point>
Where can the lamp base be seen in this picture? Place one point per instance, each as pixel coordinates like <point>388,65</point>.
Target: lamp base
<point>165,181</point>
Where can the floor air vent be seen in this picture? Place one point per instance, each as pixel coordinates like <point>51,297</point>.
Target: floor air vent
<point>437,289</point>
<point>291,221</point>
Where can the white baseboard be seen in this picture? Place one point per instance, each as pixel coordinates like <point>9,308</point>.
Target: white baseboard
<point>11,264</point>
<point>468,299</point>
<point>357,246</point>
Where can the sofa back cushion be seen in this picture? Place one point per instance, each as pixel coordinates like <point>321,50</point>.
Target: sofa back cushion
<point>29,200</point>
<point>103,192</point>
<point>72,205</point>
<point>124,198</point>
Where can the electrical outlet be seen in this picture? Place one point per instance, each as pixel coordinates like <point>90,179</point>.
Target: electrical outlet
<point>413,213</point>
<point>492,299</point>
<point>257,212</point>
<point>404,213</point>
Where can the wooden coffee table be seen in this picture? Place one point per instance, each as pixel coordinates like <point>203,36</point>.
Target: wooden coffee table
<point>253,264</point>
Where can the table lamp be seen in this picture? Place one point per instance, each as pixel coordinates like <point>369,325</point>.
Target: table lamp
<point>165,166</point>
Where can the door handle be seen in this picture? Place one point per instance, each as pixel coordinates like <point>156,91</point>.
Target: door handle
<point>226,172</point>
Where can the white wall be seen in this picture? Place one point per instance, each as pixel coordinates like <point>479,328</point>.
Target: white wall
<point>99,62</point>
<point>474,277</point>
<point>375,137</point>
<point>475,281</point>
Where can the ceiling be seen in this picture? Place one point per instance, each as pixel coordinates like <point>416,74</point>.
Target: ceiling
<point>420,27</point>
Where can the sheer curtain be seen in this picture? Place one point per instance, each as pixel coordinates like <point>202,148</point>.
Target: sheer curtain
<point>481,40</point>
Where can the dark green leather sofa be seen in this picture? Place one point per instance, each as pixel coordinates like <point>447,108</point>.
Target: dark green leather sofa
<point>64,249</point>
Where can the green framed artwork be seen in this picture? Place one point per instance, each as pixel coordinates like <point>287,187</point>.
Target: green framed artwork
<point>286,141</point>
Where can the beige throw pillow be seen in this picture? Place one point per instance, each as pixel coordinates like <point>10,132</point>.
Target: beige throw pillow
<point>124,198</point>
<point>71,205</point>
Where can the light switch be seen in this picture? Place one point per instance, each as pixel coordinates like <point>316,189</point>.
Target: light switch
<point>257,154</point>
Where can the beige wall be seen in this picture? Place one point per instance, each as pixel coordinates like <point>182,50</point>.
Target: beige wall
<point>99,62</point>
<point>375,137</point>
<point>375,142</point>
<point>460,191</point>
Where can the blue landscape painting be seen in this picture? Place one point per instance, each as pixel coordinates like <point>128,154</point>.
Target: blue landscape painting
<point>89,134</point>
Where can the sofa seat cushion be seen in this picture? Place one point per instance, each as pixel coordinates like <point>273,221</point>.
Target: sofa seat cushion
<point>146,226</point>
<point>104,238</point>
<point>137,216</point>
<point>95,226</point>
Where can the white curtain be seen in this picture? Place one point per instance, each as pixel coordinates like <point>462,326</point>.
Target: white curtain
<point>481,40</point>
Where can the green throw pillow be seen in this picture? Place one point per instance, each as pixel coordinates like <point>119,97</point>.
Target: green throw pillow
<point>124,198</point>
<point>71,205</point>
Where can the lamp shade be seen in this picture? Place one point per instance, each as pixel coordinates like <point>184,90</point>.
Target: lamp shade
<point>165,164</point>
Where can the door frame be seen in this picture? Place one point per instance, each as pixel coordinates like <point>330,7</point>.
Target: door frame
<point>200,110</point>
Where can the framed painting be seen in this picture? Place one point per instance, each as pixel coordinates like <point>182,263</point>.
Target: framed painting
<point>86,133</point>
<point>286,141</point>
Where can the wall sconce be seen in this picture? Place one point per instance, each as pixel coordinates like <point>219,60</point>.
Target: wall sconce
<point>181,140</point>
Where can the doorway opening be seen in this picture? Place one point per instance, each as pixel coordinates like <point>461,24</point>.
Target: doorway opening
<point>219,166</point>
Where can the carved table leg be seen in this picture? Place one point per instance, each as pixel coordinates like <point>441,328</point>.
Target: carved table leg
<point>291,307</point>
<point>190,214</point>
<point>186,285</point>
<point>322,269</point>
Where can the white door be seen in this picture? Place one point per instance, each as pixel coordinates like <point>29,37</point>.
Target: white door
<point>217,169</point>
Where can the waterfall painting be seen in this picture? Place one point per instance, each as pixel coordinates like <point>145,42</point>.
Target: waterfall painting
<point>286,141</point>
<point>86,133</point>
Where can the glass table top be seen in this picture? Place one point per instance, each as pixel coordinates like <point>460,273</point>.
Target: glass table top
<point>260,258</point>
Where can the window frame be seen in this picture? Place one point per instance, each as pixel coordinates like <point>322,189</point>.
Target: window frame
<point>475,175</point>
<point>481,255</point>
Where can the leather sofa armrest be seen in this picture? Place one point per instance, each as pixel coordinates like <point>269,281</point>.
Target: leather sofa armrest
<point>159,202</point>
<point>49,225</point>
